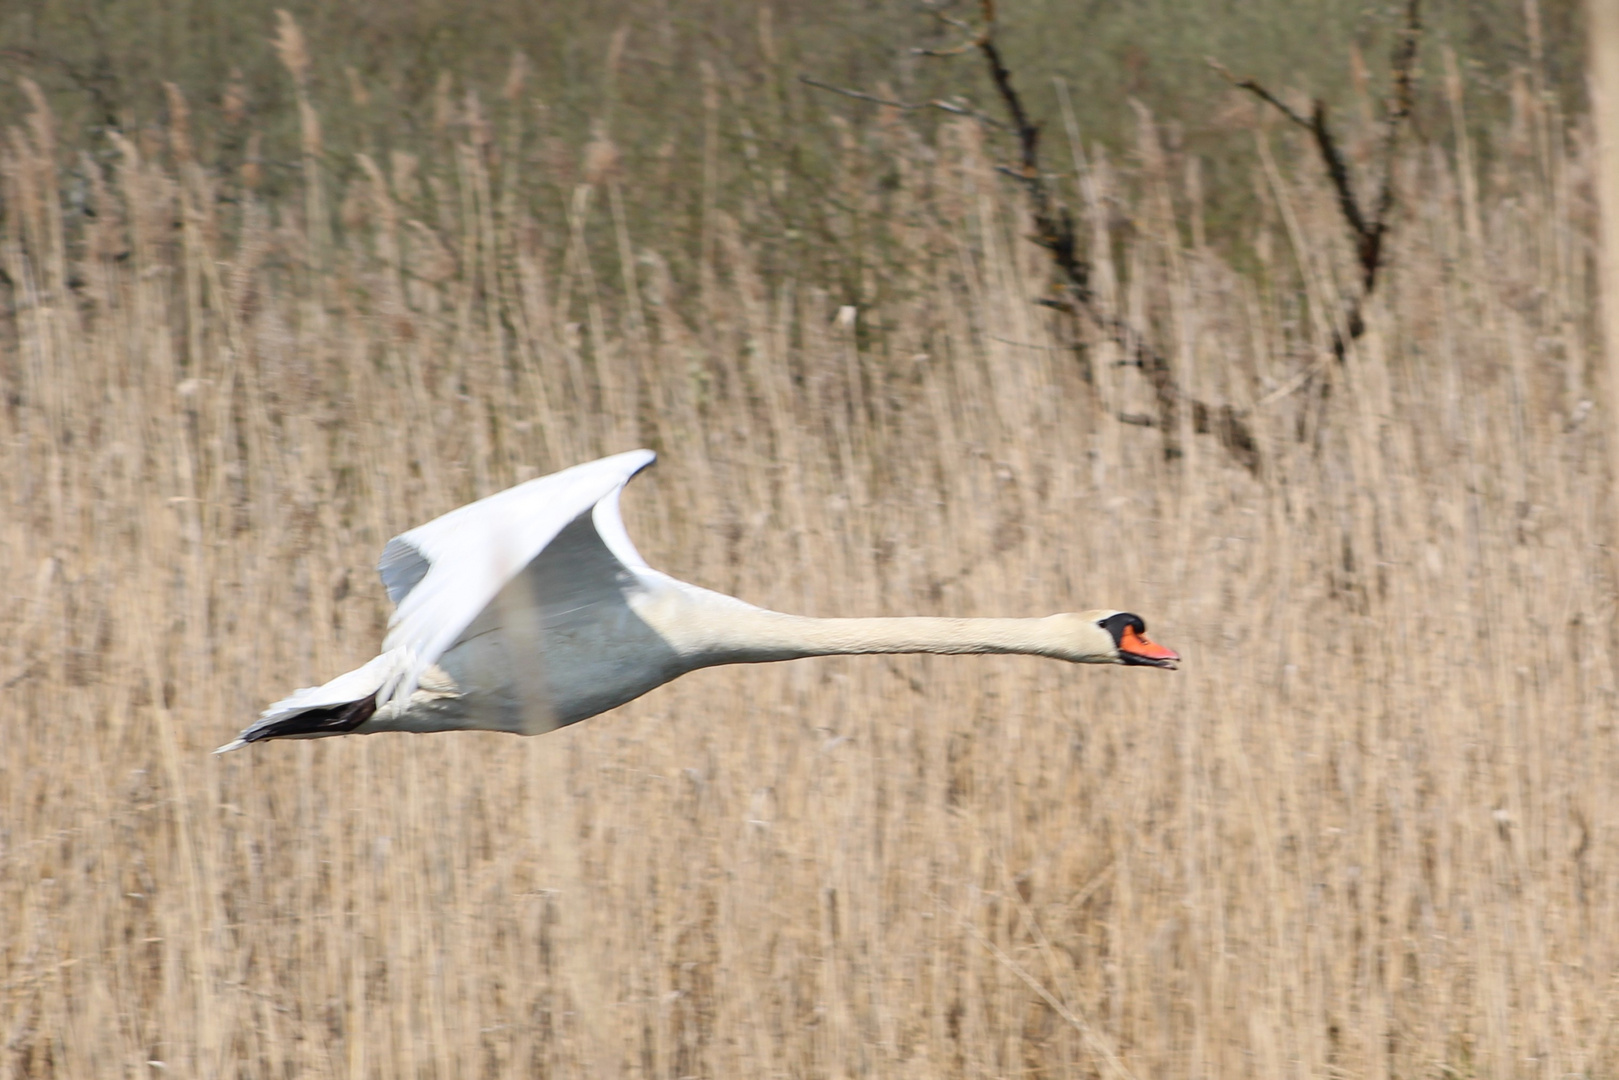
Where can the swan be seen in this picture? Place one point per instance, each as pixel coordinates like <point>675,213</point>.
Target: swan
<point>530,610</point>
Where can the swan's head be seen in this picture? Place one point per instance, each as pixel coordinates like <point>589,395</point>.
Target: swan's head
<point>1117,637</point>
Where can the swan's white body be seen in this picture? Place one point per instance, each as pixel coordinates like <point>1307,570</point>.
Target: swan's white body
<point>531,609</point>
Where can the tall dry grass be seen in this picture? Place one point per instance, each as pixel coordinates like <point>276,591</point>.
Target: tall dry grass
<point>1369,829</point>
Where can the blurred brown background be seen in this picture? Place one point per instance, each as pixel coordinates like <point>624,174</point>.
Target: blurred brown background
<point>353,266</point>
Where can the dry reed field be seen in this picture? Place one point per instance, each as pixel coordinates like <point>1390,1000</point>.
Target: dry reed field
<point>1369,829</point>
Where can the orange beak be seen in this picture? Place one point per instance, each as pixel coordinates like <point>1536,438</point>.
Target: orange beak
<point>1138,645</point>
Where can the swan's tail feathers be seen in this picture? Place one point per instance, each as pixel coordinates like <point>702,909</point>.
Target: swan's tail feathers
<point>338,707</point>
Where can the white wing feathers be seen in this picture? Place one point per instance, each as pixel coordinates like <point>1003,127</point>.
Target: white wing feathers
<point>443,574</point>
<point>349,687</point>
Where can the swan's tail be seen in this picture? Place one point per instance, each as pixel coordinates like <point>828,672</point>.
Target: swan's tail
<point>337,707</point>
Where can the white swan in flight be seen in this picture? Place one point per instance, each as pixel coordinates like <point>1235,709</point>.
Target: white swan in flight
<point>531,609</point>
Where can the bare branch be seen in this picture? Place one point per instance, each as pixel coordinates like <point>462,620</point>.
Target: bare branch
<point>1054,231</point>
<point>1054,227</point>
<point>974,37</point>
<point>1257,89</point>
<point>957,51</point>
<point>1401,101</point>
<point>1370,231</point>
<point>858,95</point>
<point>907,106</point>
<point>1326,144</point>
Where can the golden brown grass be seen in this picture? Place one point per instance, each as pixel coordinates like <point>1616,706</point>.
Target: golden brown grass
<point>1369,829</point>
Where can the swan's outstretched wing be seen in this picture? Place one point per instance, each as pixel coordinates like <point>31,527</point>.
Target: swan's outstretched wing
<point>443,574</point>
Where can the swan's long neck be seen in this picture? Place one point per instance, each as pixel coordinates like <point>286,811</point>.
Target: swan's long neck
<point>716,629</point>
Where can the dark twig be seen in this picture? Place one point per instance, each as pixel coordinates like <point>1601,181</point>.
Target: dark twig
<point>1368,231</point>
<point>1401,100</point>
<point>1258,90</point>
<point>1055,232</point>
<point>908,106</point>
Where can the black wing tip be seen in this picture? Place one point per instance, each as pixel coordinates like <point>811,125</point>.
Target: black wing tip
<point>311,723</point>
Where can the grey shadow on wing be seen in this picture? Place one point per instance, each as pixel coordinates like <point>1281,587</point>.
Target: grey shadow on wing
<point>560,642</point>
